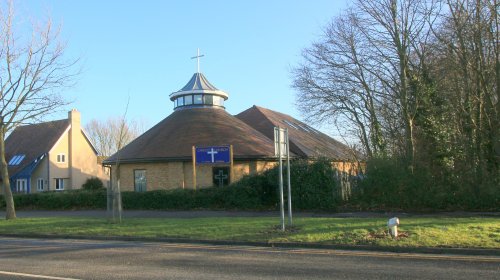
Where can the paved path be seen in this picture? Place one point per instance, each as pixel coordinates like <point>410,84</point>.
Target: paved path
<point>26,258</point>
<point>211,213</point>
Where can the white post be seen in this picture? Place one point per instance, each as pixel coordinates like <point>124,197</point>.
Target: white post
<point>392,224</point>
<point>289,183</point>
<point>280,152</point>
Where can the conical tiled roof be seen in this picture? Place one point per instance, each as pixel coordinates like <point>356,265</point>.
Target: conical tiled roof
<point>199,84</point>
<point>173,138</point>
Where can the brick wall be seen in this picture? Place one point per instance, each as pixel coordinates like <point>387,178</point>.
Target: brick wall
<point>171,175</point>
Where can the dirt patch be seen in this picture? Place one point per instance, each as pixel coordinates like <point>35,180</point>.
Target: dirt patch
<point>383,234</point>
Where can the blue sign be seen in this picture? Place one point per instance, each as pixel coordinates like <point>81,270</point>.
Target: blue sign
<point>216,154</point>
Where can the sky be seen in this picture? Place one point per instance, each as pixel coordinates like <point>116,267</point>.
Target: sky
<point>141,50</point>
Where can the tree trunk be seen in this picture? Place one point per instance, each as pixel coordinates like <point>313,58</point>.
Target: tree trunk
<point>10,211</point>
<point>114,200</point>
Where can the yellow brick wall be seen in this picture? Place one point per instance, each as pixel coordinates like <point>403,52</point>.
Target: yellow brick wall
<point>351,168</point>
<point>172,175</point>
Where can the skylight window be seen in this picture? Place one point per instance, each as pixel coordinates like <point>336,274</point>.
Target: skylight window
<point>307,128</point>
<point>16,160</point>
<point>290,124</point>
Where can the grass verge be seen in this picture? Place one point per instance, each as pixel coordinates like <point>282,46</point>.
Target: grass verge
<point>415,232</point>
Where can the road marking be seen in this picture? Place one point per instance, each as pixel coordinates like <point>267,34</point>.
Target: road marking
<point>330,252</point>
<point>399,255</point>
<point>35,276</point>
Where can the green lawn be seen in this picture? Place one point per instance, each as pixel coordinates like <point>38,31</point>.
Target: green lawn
<point>417,232</point>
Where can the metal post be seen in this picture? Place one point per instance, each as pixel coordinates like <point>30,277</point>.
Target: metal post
<point>231,172</point>
<point>109,200</point>
<point>288,178</point>
<point>282,209</point>
<point>194,168</point>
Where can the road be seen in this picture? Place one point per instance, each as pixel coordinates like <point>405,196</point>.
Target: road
<point>24,258</point>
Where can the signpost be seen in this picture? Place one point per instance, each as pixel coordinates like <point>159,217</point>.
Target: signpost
<point>215,154</point>
<point>220,155</point>
<point>281,148</point>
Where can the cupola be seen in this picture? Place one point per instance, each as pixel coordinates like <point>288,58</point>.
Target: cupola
<point>198,92</point>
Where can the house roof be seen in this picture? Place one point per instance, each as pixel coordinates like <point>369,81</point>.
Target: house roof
<point>174,136</point>
<point>305,141</point>
<point>32,141</point>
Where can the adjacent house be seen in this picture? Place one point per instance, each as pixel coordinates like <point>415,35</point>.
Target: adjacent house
<point>162,158</point>
<point>51,156</point>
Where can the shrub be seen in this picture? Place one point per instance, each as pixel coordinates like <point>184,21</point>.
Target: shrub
<point>92,184</point>
<point>313,187</point>
<point>390,185</point>
<point>65,200</point>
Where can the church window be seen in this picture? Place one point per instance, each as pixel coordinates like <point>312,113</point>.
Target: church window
<point>208,99</point>
<point>198,99</point>
<point>180,101</point>
<point>188,100</point>
<point>220,176</point>
<point>218,101</point>
<point>140,182</point>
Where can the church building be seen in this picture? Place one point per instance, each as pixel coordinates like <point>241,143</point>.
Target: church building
<point>164,156</point>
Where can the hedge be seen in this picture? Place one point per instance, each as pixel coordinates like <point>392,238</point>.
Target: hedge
<point>243,198</point>
<point>313,188</point>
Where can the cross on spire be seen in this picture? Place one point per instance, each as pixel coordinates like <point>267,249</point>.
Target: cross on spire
<point>198,59</point>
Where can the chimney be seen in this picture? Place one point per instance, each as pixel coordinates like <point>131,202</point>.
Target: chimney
<point>74,118</point>
<point>74,146</point>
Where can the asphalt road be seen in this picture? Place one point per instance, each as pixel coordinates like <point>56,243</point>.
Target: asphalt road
<point>23,258</point>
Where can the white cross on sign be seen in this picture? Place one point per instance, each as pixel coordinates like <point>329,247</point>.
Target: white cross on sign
<point>212,152</point>
<point>212,155</point>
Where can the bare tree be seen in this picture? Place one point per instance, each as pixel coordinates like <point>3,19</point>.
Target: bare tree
<point>335,82</point>
<point>468,59</point>
<point>32,71</point>
<point>361,72</point>
<point>114,199</point>
<point>112,134</point>
<point>418,79</point>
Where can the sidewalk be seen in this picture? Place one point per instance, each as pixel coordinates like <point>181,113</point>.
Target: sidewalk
<point>212,213</point>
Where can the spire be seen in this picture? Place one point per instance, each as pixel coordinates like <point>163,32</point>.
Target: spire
<point>198,92</point>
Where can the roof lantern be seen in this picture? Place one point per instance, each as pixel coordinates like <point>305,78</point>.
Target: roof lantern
<point>198,92</point>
